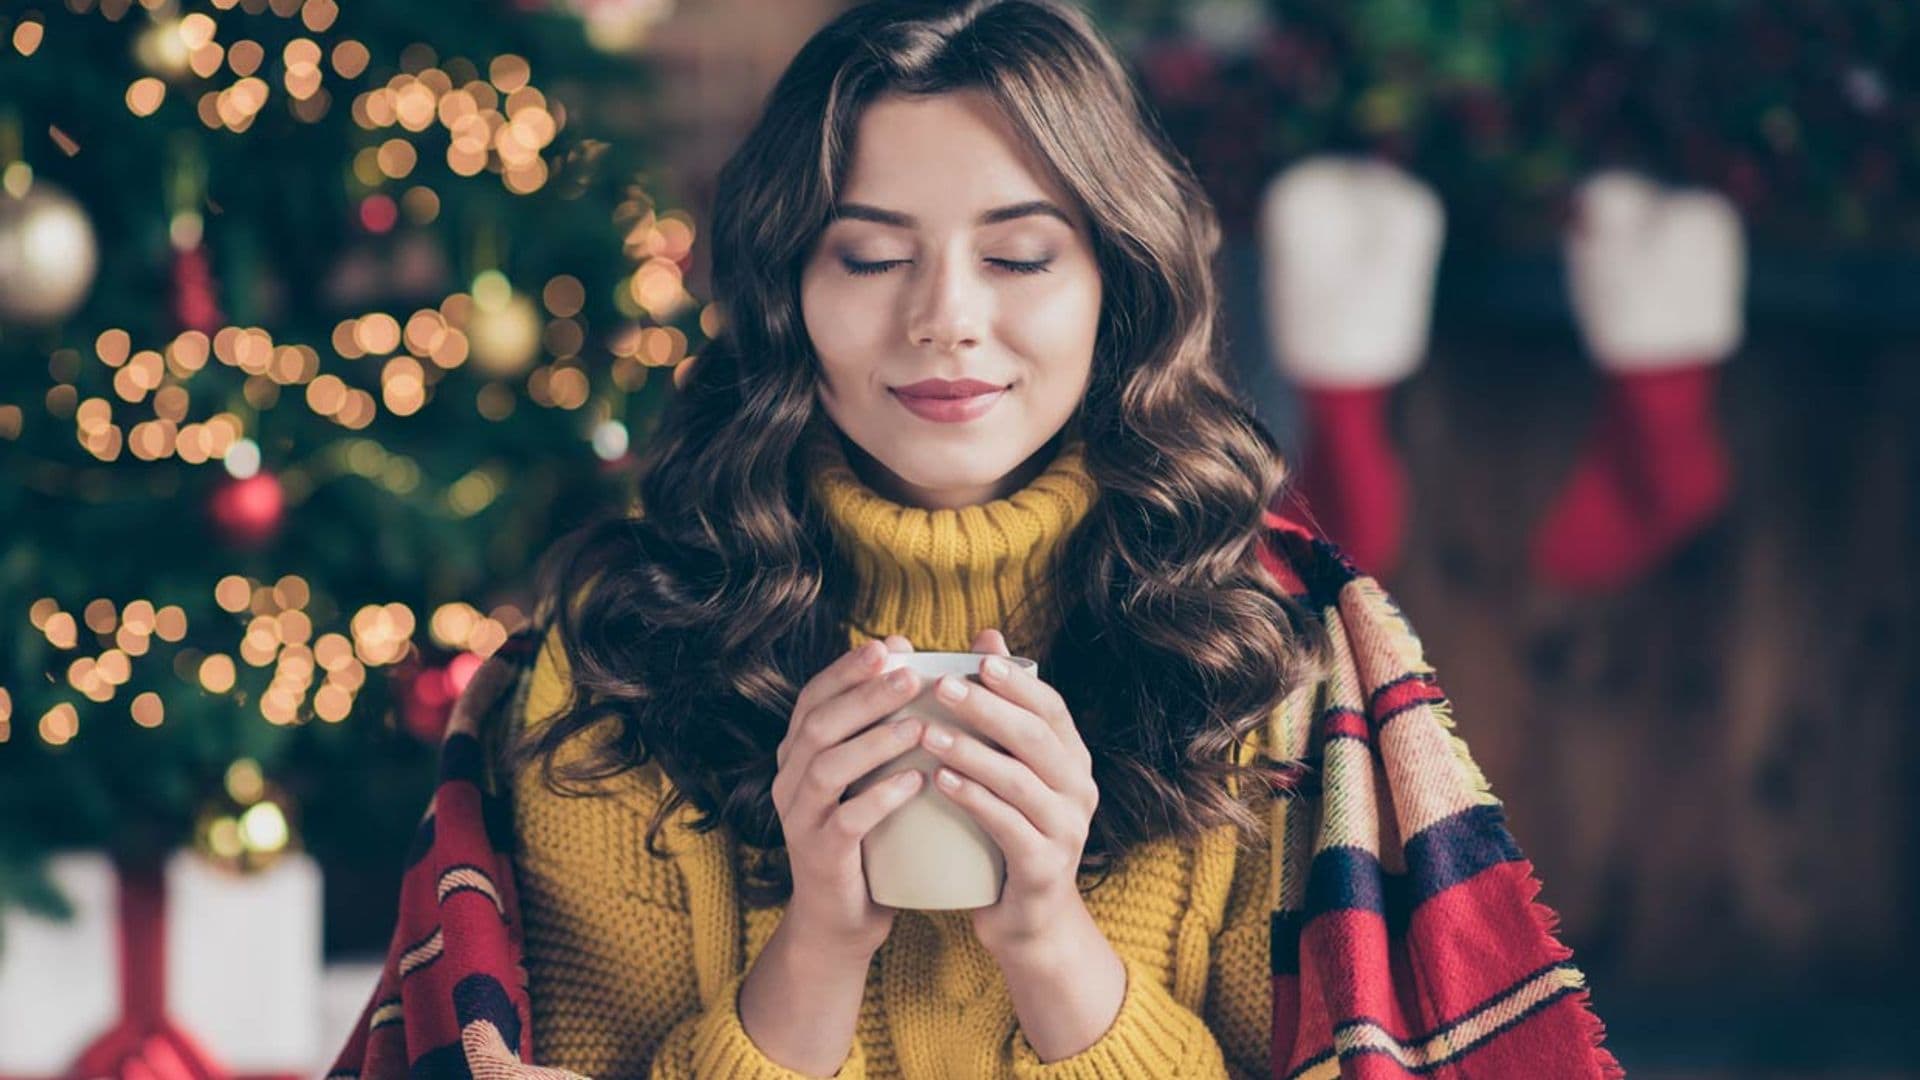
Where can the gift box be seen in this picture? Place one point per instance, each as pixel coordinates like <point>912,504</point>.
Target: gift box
<point>183,969</point>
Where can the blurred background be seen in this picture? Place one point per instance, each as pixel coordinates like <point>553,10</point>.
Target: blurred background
<point>318,322</point>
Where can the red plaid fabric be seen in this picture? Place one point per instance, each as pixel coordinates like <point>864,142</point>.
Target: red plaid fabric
<point>1405,938</point>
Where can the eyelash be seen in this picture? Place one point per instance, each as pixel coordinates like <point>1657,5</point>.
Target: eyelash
<point>867,269</point>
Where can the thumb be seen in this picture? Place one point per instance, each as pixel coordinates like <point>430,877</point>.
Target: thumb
<point>991,641</point>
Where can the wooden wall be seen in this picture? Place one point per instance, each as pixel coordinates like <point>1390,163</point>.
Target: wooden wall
<point>1713,771</point>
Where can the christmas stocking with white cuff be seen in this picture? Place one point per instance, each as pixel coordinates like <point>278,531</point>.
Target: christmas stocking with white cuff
<point>1657,278</point>
<point>1349,248</point>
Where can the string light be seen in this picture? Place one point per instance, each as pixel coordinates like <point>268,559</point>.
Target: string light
<point>145,95</point>
<point>148,710</point>
<point>279,634</point>
<point>610,440</point>
<point>28,35</point>
<point>61,631</point>
<point>243,459</point>
<point>217,673</point>
<point>59,724</point>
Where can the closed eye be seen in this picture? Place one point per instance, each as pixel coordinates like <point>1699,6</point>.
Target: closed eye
<point>863,269</point>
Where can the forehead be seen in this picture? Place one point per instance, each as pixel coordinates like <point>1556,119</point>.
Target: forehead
<point>944,158</point>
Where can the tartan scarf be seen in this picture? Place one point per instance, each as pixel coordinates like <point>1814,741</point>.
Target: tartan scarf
<point>1405,939</point>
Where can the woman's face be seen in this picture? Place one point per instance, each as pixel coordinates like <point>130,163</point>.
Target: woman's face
<point>953,256</point>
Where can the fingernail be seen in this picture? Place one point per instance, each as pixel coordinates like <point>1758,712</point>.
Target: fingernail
<point>997,667</point>
<point>948,780</point>
<point>951,689</point>
<point>898,678</point>
<point>939,738</point>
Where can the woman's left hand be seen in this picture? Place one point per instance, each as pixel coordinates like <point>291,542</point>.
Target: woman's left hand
<point>1035,797</point>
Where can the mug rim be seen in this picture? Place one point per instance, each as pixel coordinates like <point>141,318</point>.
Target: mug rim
<point>936,663</point>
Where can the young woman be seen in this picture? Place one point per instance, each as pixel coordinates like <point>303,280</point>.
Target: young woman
<point>967,397</point>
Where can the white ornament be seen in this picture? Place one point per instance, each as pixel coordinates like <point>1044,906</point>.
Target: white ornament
<point>48,255</point>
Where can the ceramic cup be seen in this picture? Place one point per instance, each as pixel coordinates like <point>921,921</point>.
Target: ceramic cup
<point>929,854</point>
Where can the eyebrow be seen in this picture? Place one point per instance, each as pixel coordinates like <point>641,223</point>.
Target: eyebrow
<point>1030,208</point>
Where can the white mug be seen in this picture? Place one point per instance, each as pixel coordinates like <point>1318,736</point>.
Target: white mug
<point>929,854</point>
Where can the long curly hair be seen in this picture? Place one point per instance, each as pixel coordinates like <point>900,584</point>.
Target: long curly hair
<point>695,620</point>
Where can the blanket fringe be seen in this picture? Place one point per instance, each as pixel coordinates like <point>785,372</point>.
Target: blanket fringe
<point>1589,1022</point>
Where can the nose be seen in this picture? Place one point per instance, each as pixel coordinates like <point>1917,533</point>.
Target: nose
<point>946,306</point>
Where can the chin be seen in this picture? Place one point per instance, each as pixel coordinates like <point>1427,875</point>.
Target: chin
<point>938,472</point>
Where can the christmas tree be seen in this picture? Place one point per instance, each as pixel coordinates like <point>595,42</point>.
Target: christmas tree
<point>317,324</point>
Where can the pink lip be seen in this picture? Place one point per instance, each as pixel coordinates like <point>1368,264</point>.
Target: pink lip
<point>951,410</point>
<point>949,388</point>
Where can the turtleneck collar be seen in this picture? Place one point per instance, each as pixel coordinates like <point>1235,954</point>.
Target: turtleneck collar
<point>939,576</point>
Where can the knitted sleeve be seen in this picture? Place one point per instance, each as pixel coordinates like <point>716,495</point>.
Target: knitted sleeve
<point>1155,1035</point>
<point>610,957</point>
<point>713,1043</point>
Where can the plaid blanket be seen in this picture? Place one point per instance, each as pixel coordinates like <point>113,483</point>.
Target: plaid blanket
<point>1405,937</point>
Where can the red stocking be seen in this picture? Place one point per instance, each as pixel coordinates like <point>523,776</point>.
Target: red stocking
<point>1352,482</point>
<point>1654,472</point>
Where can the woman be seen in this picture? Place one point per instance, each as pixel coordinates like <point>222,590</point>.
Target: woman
<point>967,398</point>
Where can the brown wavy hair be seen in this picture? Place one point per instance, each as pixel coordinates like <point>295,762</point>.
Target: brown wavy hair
<point>711,606</point>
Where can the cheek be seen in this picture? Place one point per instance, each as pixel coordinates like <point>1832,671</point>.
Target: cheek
<point>843,327</point>
<point>1056,326</point>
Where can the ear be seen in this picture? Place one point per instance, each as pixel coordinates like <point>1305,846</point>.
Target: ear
<point>991,641</point>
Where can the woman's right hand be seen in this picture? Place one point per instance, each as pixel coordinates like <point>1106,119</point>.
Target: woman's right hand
<point>833,740</point>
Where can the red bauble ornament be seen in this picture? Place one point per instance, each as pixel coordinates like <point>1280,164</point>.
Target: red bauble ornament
<point>427,695</point>
<point>426,701</point>
<point>194,306</point>
<point>248,513</point>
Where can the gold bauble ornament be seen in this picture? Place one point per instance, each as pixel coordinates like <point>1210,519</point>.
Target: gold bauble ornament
<point>163,49</point>
<point>48,255</point>
<point>503,329</point>
<point>248,825</point>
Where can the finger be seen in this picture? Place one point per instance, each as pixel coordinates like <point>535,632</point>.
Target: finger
<point>826,778</point>
<point>1023,845</point>
<point>990,641</point>
<point>1012,728</point>
<point>856,707</point>
<point>898,643</point>
<point>1009,779</point>
<point>851,668</point>
<point>854,819</point>
<point>1022,687</point>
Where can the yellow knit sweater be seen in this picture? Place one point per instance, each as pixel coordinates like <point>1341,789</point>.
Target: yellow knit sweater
<point>635,962</point>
